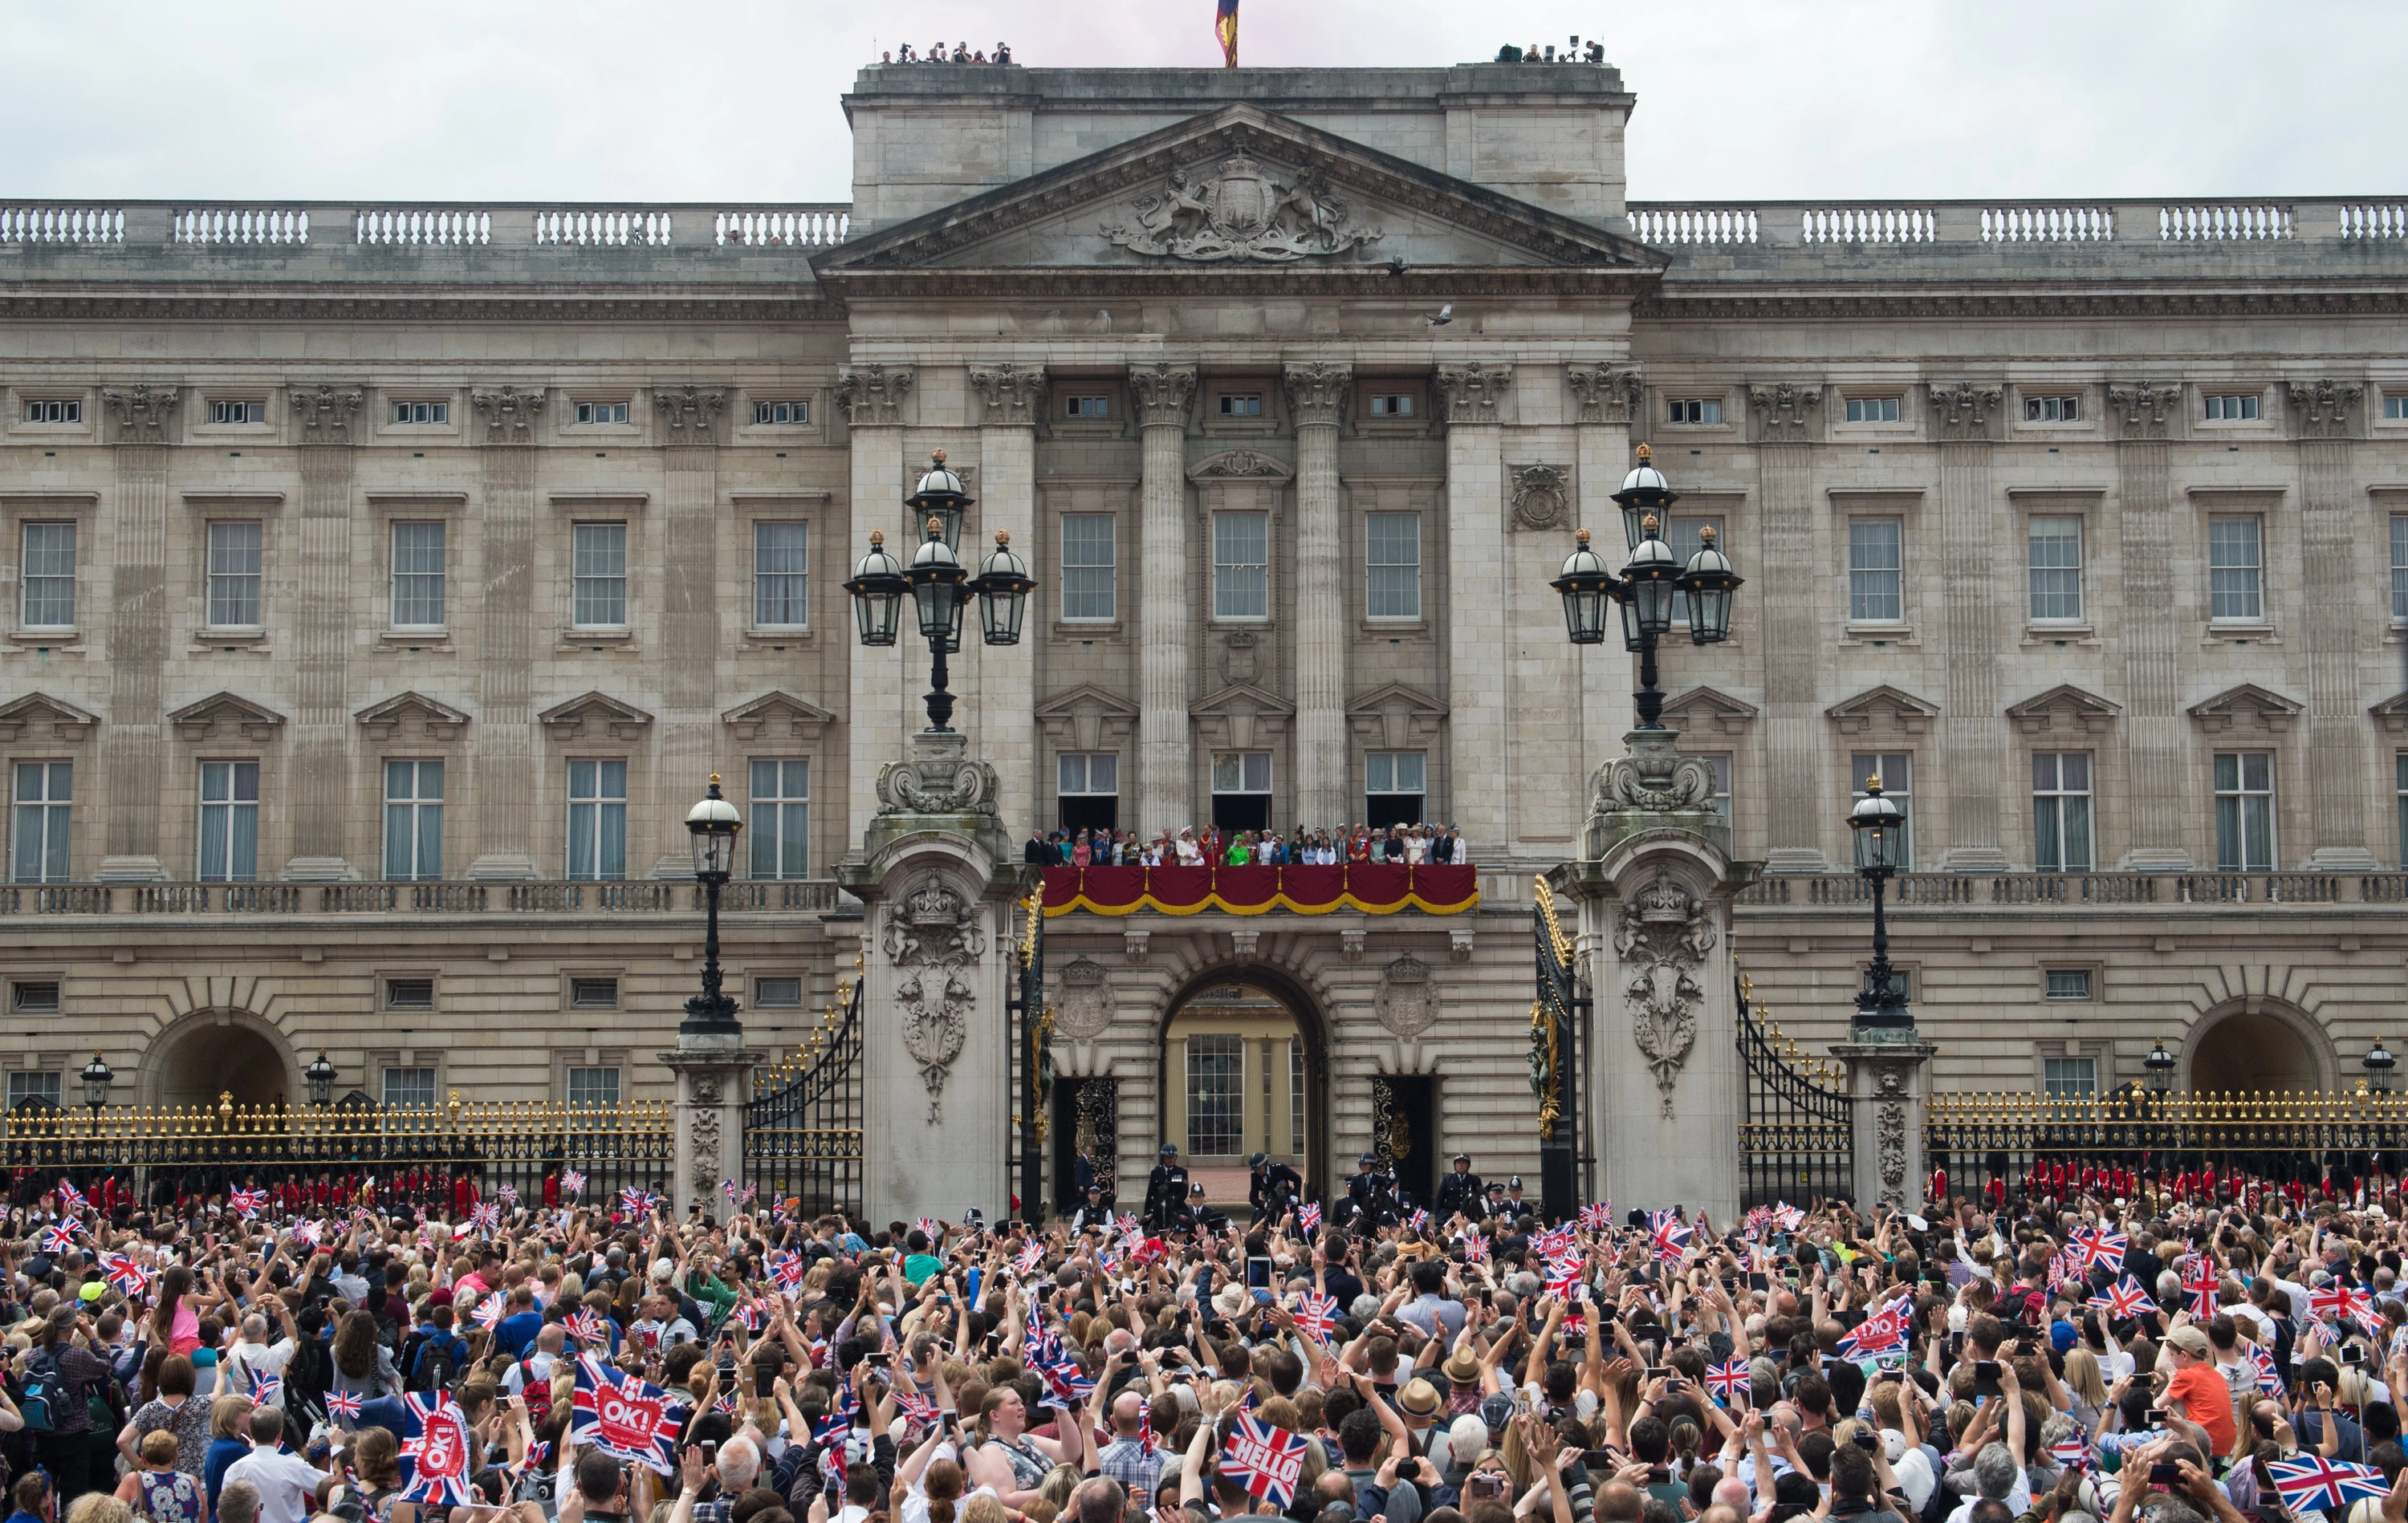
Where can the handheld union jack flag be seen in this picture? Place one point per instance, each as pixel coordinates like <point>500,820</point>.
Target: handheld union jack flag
<point>1597,1217</point>
<point>925,1227</point>
<point>1043,1346</point>
<point>435,1450</point>
<point>2270,1375</point>
<point>917,1411</point>
<point>588,1328</point>
<point>637,1203</point>
<point>247,1201</point>
<point>1475,1248</point>
<point>787,1273</point>
<point>488,1314</point>
<point>1553,1241</point>
<point>571,1182</point>
<point>1308,1217</point>
<point>831,1433</point>
<point>508,1194</point>
<point>2203,1292</point>
<point>1670,1234</point>
<point>58,1239</point>
<point>1417,1222</point>
<point>1031,1254</point>
<point>2100,1246</point>
<point>1266,1460</point>
<point>485,1218</point>
<point>1880,1333</point>
<point>623,1416</point>
<point>1730,1382</point>
<point>70,1198</point>
<point>1316,1315</point>
<point>343,1404</point>
<point>1066,1383</point>
<point>307,1231</point>
<point>266,1389</point>
<point>2312,1481</point>
<point>2124,1299</point>
<point>129,1278</point>
<point>2071,1452</point>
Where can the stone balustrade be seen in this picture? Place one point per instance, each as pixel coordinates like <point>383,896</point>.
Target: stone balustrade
<point>2061,890</point>
<point>641,896</point>
<point>133,224</point>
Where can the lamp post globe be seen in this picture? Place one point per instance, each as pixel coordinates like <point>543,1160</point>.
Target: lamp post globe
<point>1708,582</point>
<point>97,1077</point>
<point>319,1075</point>
<point>713,826</point>
<point>1878,823</point>
<point>2159,1065</point>
<point>1644,493</point>
<point>1002,585</point>
<point>2378,1065</point>
<point>939,496</point>
<point>1588,588</point>
<point>878,586</point>
<point>1650,589</point>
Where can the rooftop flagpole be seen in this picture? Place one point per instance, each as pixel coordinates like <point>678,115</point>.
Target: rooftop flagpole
<point>1225,26</point>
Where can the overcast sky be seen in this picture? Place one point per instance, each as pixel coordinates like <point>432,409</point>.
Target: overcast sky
<point>717,100</point>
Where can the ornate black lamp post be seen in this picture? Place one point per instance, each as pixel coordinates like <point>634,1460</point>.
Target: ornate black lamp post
<point>1879,826</point>
<point>2378,1065</point>
<point>2159,1065</point>
<point>97,1077</point>
<point>714,825</point>
<point>319,1075</point>
<point>939,586</point>
<point>1654,582</point>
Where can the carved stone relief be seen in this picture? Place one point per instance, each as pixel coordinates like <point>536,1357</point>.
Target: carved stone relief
<point>141,412</point>
<point>1009,394</point>
<point>1541,496</point>
<point>2323,408</point>
<point>1407,1003</point>
<point>1163,394</point>
<point>1962,411</point>
<point>325,412</point>
<point>509,413</point>
<point>1470,394</point>
<point>703,1173</point>
<point>1238,663</point>
<point>690,413</point>
<point>1240,212</point>
<point>1317,391</point>
<point>705,1089</point>
<point>1663,937</point>
<point>933,936</point>
<point>1237,464</point>
<point>2146,410</point>
<point>1085,1007</point>
<point>1889,1130</point>
<point>1784,412</point>
<point>1605,394</point>
<point>959,786</point>
<point>873,394</point>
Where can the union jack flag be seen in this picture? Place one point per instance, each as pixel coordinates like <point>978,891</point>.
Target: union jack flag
<point>1879,1333</point>
<point>130,1278</point>
<point>2101,1247</point>
<point>70,1198</point>
<point>1066,1383</point>
<point>247,1201</point>
<point>1127,1226</point>
<point>1788,1218</point>
<point>927,1225</point>
<point>588,1328</point>
<point>2071,1452</point>
<point>787,1273</point>
<point>2339,1298</point>
<point>1730,1382</point>
<point>2067,1267</point>
<point>1266,1460</point>
<point>488,1314</point>
<point>435,1450</point>
<point>571,1182</point>
<point>343,1404</point>
<point>58,1239</point>
<point>2203,1292</point>
<point>727,1188</point>
<point>831,1433</point>
<point>1475,1248</point>
<point>1308,1217</point>
<point>1597,1217</point>
<point>1670,1234</point>
<point>1418,1220</point>
<point>1031,1254</point>
<point>2312,1481</point>
<point>1316,1315</point>
<point>2270,1376</point>
<point>1563,1277</point>
<point>1553,1241</point>
<point>637,1203</point>
<point>623,1416</point>
<point>508,1194</point>
<point>308,1232</point>
<point>1044,1347</point>
<point>2123,1299</point>
<point>917,1409</point>
<point>266,1389</point>
<point>485,1218</point>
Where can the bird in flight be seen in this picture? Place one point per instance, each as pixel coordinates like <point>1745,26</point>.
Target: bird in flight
<point>1397,265</point>
<point>1443,316</point>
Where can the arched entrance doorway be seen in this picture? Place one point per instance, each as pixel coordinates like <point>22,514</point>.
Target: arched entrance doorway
<point>207,1060</point>
<point>2253,1050</point>
<point>1244,1069</point>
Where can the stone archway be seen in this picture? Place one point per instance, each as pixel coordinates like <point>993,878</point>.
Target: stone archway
<point>1260,1006</point>
<point>2256,1046</point>
<point>218,1052</point>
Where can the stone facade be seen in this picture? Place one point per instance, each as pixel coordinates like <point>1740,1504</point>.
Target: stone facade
<point>1176,329</point>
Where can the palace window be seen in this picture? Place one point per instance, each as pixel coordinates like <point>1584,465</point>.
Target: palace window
<point>49,595</point>
<point>2061,812</point>
<point>238,412</point>
<point>1693,409</point>
<point>1392,403</point>
<point>2236,569</point>
<point>55,410</point>
<point>782,414</point>
<point>2245,811</point>
<point>409,1086</point>
<point>229,822</point>
<point>422,412</point>
<point>1872,409</point>
<point>597,819</point>
<point>413,820</point>
<point>2068,983</point>
<point>594,993</point>
<point>781,819</point>
<point>1089,559</point>
<point>781,993</point>
<point>418,574</point>
<point>1392,565</point>
<point>1087,793</point>
<point>593,1087</point>
<point>1241,570</point>
<point>2400,566</point>
<point>2063,1078</point>
<point>1394,784</point>
<point>1877,571</point>
<point>35,1087</point>
<point>2053,409</point>
<point>1216,1065</point>
<point>599,574</point>
<point>2399,778</point>
<point>1241,790</point>
<point>1241,404</point>
<point>2231,408</point>
<point>780,575</point>
<point>409,993</point>
<point>1896,770</point>
<point>34,997</point>
<point>2395,407</point>
<point>44,800</point>
<point>2055,568</point>
<point>601,412</point>
<point>1085,404</point>
<point>234,573</point>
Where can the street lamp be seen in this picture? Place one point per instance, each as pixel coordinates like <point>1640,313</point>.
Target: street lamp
<point>1879,826</point>
<point>2379,1065</point>
<point>1652,584</point>
<point>714,824</point>
<point>2160,1066</point>
<point>941,587</point>
<point>97,1076</point>
<point>319,1075</point>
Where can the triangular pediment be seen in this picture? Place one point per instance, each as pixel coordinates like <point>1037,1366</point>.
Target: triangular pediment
<point>253,721</point>
<point>1396,717</point>
<point>1702,710</point>
<point>1242,717</point>
<point>442,720</point>
<point>1239,190</point>
<point>781,715</point>
<point>41,717</point>
<point>2247,706</point>
<point>591,716</point>
<point>2063,706</point>
<point>2392,712</point>
<point>1086,696</point>
<point>1882,709</point>
<point>1087,717</point>
<point>1390,695</point>
<point>1241,698</point>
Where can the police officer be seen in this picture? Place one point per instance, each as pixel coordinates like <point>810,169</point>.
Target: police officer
<point>1372,1193</point>
<point>1458,1192</point>
<point>1094,1182</point>
<point>1166,1192</point>
<point>1514,1204</point>
<point>1496,1203</point>
<point>1199,1215</point>
<point>1274,1189</point>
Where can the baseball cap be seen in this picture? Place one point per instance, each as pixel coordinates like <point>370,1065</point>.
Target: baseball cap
<point>92,1290</point>
<point>2192,1342</point>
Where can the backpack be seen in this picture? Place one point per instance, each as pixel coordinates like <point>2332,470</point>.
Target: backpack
<point>537,1392</point>
<point>44,1388</point>
<point>433,1369</point>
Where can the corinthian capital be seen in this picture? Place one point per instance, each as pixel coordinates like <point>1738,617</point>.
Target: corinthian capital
<point>1963,412</point>
<point>1784,412</point>
<point>141,412</point>
<point>873,394</point>
<point>509,413</point>
<point>1317,390</point>
<point>1606,393</point>
<point>690,413</point>
<point>325,412</point>
<point>1163,394</point>
<point>1470,394</point>
<point>1008,394</point>
<point>2322,408</point>
<point>2145,410</point>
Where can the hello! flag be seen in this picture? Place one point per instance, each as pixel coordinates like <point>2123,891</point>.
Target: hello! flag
<point>621,1414</point>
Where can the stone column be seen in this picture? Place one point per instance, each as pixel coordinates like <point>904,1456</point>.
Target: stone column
<point>2155,746</point>
<point>134,741</point>
<point>1891,1085</point>
<point>1165,782</point>
<point>1316,396</point>
<point>936,873</point>
<point>1009,396</point>
<point>2331,536</point>
<point>503,747</point>
<point>322,752</point>
<point>881,699</point>
<point>686,750</point>
<point>1480,760</point>
<point>1783,418</point>
<point>1972,732</point>
<point>714,1079</point>
<point>1654,884</point>
<point>1606,400</point>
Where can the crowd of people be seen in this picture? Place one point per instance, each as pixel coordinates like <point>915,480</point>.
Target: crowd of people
<point>2057,1360</point>
<point>1211,846</point>
<point>962,54</point>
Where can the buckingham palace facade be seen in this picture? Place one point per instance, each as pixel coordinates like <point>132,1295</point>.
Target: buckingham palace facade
<point>382,583</point>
